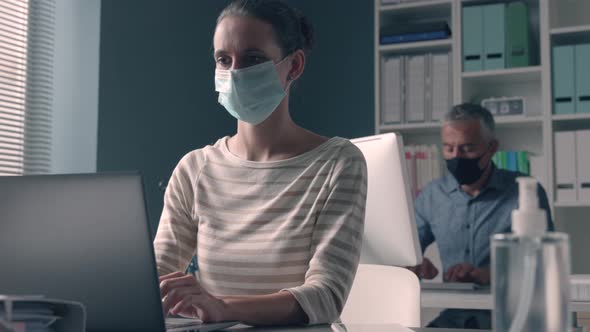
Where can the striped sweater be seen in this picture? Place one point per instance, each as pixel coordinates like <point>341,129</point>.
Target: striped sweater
<point>261,227</point>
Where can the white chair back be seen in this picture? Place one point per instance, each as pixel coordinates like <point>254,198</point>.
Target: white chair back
<point>383,295</point>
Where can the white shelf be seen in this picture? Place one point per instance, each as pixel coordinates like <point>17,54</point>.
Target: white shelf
<point>517,121</point>
<point>427,127</point>
<point>422,127</point>
<point>421,5</point>
<point>570,35</point>
<point>430,45</point>
<point>501,76</point>
<point>571,117</point>
<point>576,121</point>
<point>570,30</point>
<point>572,204</point>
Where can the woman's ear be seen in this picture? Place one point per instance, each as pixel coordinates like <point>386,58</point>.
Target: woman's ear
<point>297,65</point>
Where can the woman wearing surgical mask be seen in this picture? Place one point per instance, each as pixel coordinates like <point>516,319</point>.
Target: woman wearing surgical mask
<point>274,213</point>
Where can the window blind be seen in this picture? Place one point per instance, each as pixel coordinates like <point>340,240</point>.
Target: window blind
<point>26,80</point>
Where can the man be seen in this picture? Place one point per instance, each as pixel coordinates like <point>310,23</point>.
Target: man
<point>463,209</point>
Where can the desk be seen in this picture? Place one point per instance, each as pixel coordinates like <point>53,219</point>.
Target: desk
<point>345,328</point>
<point>457,299</point>
<point>474,299</point>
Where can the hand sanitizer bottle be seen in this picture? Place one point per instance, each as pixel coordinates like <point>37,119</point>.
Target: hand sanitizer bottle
<point>530,270</point>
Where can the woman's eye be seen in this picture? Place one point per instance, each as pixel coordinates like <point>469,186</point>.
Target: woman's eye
<point>255,59</point>
<point>223,61</point>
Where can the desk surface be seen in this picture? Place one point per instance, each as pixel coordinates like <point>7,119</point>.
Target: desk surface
<point>346,328</point>
<point>472,299</point>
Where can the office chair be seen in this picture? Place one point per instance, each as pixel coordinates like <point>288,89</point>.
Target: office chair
<point>383,294</point>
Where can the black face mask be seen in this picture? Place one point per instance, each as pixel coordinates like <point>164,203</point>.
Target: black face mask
<point>465,170</point>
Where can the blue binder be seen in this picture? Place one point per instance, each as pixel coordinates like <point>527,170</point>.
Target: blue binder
<point>563,80</point>
<point>582,78</point>
<point>414,37</point>
<point>511,161</point>
<point>472,38</point>
<point>494,36</point>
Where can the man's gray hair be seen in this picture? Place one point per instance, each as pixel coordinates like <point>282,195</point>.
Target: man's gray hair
<point>467,111</point>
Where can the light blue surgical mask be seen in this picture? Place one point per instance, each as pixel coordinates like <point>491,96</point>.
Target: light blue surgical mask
<point>250,94</point>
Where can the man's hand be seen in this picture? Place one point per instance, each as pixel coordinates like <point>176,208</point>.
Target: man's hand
<point>183,295</point>
<point>468,273</point>
<point>426,270</point>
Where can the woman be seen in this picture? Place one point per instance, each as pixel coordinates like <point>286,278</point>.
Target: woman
<point>274,213</point>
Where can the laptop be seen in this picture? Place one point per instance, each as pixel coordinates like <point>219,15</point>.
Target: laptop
<point>85,238</point>
<point>452,286</point>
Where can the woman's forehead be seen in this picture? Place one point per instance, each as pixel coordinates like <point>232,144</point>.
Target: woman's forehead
<point>236,34</point>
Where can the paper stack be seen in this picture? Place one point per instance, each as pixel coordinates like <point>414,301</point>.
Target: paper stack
<point>38,314</point>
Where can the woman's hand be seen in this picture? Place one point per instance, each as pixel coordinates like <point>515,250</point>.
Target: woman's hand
<point>183,295</point>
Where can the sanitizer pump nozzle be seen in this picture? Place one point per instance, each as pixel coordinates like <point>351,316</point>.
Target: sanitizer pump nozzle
<point>530,270</point>
<point>528,220</point>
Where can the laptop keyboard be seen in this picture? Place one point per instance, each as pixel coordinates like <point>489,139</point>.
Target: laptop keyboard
<point>173,322</point>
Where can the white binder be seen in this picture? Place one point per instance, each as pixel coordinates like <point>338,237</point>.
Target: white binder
<point>583,165</point>
<point>391,90</point>
<point>565,166</point>
<point>440,71</point>
<point>385,82</point>
<point>415,88</point>
<point>538,169</point>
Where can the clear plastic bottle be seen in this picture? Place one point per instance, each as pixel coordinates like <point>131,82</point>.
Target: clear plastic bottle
<point>530,271</point>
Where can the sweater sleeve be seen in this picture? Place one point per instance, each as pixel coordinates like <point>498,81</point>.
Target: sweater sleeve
<point>176,238</point>
<point>336,241</point>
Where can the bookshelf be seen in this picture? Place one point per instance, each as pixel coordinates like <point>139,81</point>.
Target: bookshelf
<point>434,45</point>
<point>570,35</point>
<point>533,82</point>
<point>419,5</point>
<point>551,24</point>
<point>512,75</point>
<point>568,122</point>
<point>570,117</point>
<point>412,127</point>
<point>571,204</point>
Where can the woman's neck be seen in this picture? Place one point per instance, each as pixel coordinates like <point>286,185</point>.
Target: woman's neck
<point>269,140</point>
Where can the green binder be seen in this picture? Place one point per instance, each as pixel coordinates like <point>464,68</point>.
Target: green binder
<point>517,35</point>
<point>582,78</point>
<point>523,162</point>
<point>563,80</point>
<point>494,44</point>
<point>472,38</point>
<point>501,160</point>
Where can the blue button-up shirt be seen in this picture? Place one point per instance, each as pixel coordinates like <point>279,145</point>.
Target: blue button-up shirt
<point>462,225</point>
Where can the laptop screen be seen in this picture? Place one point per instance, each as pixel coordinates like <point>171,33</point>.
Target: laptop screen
<point>84,238</point>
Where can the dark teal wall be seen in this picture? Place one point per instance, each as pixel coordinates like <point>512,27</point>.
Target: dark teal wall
<point>157,98</point>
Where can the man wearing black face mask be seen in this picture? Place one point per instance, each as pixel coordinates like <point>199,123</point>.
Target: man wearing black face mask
<point>463,209</point>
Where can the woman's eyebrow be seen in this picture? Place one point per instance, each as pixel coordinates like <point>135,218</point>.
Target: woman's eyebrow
<point>217,53</point>
<point>254,50</point>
